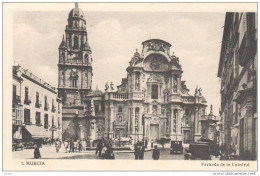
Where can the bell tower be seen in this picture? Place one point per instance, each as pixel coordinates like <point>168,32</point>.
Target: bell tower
<point>75,60</point>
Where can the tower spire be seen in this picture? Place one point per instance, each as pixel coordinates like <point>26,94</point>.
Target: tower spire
<point>76,5</point>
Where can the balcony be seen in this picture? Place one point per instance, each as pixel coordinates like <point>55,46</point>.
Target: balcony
<point>247,48</point>
<point>38,124</point>
<point>28,123</point>
<point>17,122</point>
<point>17,99</point>
<point>118,96</point>
<point>46,126</point>
<point>38,104</point>
<point>27,100</point>
<point>53,128</point>
<point>46,106</point>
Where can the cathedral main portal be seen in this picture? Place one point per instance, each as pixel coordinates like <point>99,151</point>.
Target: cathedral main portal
<point>154,132</point>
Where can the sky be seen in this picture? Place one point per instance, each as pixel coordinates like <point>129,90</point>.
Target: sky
<point>115,36</point>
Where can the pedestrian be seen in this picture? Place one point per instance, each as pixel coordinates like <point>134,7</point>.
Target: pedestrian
<point>104,152</point>
<point>57,145</point>
<point>80,145</point>
<point>71,146</point>
<point>110,154</point>
<point>137,151</point>
<point>100,147</point>
<point>141,152</point>
<point>156,153</point>
<point>66,146</point>
<point>152,143</point>
<point>145,143</point>
<point>84,145</point>
<point>75,146</point>
<point>37,153</point>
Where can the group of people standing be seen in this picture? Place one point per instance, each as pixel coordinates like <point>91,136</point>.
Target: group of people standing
<point>139,149</point>
<point>104,150</point>
<point>75,145</point>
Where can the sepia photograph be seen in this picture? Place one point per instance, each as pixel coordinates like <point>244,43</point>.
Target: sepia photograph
<point>107,82</point>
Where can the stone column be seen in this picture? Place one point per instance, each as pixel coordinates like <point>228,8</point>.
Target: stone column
<point>133,120</point>
<point>171,121</point>
<point>133,81</point>
<point>140,128</point>
<point>111,120</point>
<point>180,115</point>
<point>129,122</point>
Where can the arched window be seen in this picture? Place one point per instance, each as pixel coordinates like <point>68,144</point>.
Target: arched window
<point>76,42</point>
<point>86,58</point>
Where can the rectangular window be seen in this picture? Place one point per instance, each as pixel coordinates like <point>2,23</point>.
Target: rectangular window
<point>38,118</point>
<point>14,92</point>
<point>27,116</point>
<point>52,121</point>
<point>96,108</point>
<point>46,105</point>
<point>120,109</point>
<point>26,93</point>
<point>137,81</point>
<point>175,83</point>
<point>37,97</point>
<point>187,111</point>
<point>154,91</point>
<point>46,121</point>
<point>59,122</point>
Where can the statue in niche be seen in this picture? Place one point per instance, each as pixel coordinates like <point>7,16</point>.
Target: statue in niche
<point>143,77</point>
<point>106,87</point>
<point>154,110</point>
<point>143,93</point>
<point>166,79</point>
<point>175,85</point>
<point>63,56</point>
<point>86,58</point>
<point>166,95</point>
<point>92,126</point>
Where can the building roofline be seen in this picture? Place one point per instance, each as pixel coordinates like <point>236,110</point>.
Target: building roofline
<point>224,42</point>
<point>157,40</point>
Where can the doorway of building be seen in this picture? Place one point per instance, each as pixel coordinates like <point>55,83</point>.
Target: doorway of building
<point>154,132</point>
<point>186,138</point>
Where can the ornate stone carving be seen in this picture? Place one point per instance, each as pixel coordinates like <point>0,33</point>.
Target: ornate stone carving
<point>155,63</point>
<point>156,46</point>
<point>154,78</point>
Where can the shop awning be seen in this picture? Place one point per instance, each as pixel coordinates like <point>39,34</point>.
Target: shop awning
<point>37,131</point>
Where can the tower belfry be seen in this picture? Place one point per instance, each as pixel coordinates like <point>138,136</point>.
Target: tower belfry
<point>75,60</point>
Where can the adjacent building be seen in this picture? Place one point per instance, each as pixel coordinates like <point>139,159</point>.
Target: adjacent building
<point>37,111</point>
<point>17,106</point>
<point>238,74</point>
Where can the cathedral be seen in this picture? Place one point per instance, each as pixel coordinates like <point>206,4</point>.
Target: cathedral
<point>151,103</point>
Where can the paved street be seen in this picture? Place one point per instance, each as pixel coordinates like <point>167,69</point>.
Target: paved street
<point>49,152</point>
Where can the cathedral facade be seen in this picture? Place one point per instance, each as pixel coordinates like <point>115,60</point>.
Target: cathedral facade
<point>152,102</point>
